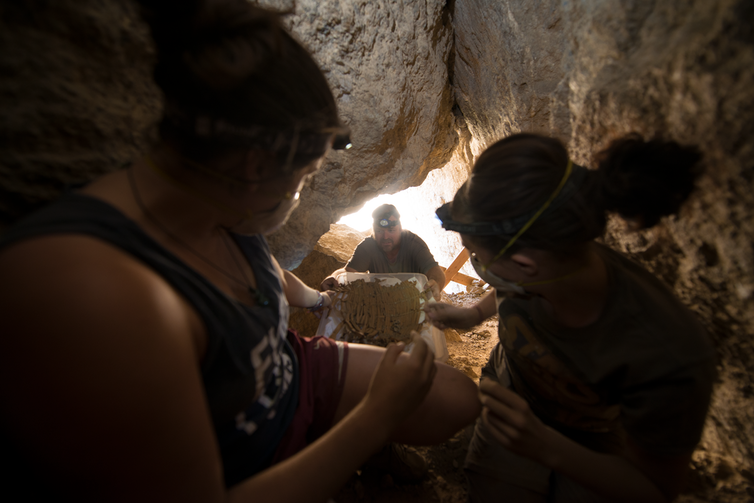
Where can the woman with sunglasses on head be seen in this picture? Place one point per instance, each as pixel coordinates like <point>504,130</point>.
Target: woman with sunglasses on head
<point>146,355</point>
<point>599,386</point>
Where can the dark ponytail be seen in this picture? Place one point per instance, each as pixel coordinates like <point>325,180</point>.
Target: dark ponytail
<point>212,46</point>
<point>644,181</point>
<point>231,61</point>
<point>640,180</point>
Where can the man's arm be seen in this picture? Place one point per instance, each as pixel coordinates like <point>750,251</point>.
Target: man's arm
<point>424,262</point>
<point>436,278</point>
<point>330,282</point>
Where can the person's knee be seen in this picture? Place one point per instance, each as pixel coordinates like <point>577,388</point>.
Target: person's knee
<point>483,489</point>
<point>487,489</point>
<point>462,396</point>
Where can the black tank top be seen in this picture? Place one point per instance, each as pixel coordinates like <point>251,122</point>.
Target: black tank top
<point>247,352</point>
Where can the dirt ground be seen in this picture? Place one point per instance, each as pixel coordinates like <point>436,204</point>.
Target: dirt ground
<point>445,482</point>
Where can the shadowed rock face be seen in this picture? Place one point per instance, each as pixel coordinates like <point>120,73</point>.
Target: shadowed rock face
<point>421,82</point>
<point>77,96</point>
<point>510,68</point>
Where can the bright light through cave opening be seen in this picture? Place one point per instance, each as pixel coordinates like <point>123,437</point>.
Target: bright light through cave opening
<point>417,207</point>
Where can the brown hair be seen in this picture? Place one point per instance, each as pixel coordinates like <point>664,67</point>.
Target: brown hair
<point>640,180</point>
<point>231,60</point>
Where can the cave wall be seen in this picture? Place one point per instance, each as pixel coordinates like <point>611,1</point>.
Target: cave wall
<point>387,63</point>
<point>591,70</point>
<point>77,96</point>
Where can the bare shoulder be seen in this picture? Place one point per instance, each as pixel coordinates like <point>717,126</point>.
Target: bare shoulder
<point>76,279</point>
<point>96,336</point>
<point>82,296</point>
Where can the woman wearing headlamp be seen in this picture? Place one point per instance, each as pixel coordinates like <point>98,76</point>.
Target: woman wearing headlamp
<point>599,386</point>
<point>146,354</point>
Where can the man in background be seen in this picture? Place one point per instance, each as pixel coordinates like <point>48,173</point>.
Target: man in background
<point>391,250</point>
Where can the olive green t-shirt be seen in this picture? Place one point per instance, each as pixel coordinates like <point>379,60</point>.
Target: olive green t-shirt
<point>413,257</point>
<point>645,369</point>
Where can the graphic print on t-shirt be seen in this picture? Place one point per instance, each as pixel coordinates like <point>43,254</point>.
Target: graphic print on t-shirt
<point>544,381</point>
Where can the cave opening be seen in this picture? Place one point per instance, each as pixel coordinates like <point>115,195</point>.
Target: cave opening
<point>417,206</point>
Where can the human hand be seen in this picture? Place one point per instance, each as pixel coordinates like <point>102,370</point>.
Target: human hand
<point>448,316</point>
<point>511,421</point>
<point>401,381</point>
<point>435,288</point>
<point>329,283</point>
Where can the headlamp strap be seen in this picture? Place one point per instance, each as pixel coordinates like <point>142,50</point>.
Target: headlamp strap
<point>569,169</point>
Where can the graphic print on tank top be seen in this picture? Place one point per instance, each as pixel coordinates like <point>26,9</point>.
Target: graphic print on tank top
<point>264,356</point>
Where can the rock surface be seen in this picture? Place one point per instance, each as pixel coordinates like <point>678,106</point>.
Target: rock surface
<point>77,95</point>
<point>340,242</point>
<point>388,65</point>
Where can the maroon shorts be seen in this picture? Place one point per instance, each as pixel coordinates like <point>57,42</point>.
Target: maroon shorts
<point>322,364</point>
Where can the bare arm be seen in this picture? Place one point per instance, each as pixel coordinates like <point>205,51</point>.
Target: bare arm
<point>448,316</point>
<point>297,292</point>
<point>437,276</point>
<point>640,476</point>
<point>330,282</point>
<point>116,353</point>
<point>113,346</point>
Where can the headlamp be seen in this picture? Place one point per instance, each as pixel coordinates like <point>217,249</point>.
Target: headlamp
<point>477,228</point>
<point>387,224</point>
<point>342,142</point>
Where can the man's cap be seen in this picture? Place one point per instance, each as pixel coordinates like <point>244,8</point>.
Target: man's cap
<point>382,214</point>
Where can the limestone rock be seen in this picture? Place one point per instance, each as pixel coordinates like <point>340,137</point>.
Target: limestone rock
<point>452,335</point>
<point>510,67</point>
<point>340,242</point>
<point>387,63</point>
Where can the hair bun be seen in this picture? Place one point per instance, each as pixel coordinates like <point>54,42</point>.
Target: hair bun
<point>645,180</point>
<point>219,43</point>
